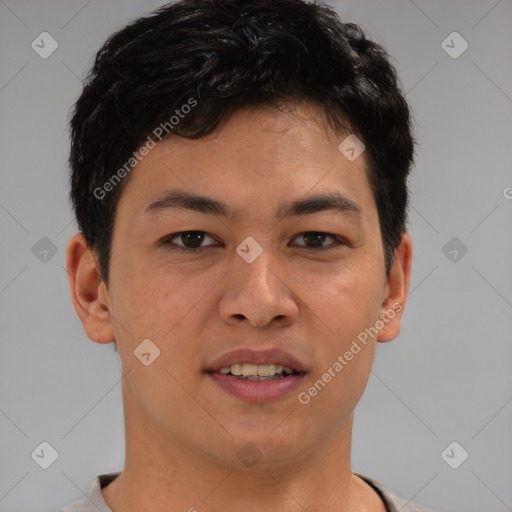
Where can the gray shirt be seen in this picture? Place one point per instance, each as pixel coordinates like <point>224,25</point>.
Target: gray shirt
<point>94,502</point>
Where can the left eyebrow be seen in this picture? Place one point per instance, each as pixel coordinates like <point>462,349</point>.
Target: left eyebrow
<point>305,206</point>
<point>317,203</point>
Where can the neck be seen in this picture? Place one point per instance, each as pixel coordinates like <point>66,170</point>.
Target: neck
<point>163,474</point>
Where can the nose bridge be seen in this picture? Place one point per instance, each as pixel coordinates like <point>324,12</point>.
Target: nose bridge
<point>258,275</point>
<point>256,292</point>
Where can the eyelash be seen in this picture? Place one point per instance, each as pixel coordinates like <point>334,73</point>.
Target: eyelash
<point>167,241</point>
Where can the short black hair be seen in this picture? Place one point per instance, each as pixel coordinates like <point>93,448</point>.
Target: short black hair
<point>214,57</point>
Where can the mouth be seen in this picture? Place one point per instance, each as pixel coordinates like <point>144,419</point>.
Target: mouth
<point>257,372</point>
<point>257,376</point>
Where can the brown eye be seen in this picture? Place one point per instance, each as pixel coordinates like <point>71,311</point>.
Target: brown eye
<point>316,239</point>
<point>189,239</point>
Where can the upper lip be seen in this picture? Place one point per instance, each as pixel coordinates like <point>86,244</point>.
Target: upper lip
<point>250,356</point>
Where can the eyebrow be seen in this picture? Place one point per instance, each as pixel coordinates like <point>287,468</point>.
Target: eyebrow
<point>184,200</point>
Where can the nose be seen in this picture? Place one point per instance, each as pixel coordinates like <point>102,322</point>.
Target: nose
<point>257,295</point>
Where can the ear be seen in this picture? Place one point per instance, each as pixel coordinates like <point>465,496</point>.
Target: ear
<point>88,291</point>
<point>396,291</point>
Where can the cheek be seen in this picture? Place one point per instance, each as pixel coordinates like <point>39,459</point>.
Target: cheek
<point>168,307</point>
<point>154,298</point>
<point>344,300</point>
<point>344,312</point>
<point>343,307</point>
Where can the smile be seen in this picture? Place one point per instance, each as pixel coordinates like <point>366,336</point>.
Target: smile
<point>255,372</point>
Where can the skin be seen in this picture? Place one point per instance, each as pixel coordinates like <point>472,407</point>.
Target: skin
<point>182,431</point>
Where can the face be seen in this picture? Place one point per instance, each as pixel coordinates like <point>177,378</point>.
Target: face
<point>280,263</point>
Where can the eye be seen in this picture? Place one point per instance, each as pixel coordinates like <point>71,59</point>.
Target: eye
<point>193,240</point>
<point>190,239</point>
<point>315,239</point>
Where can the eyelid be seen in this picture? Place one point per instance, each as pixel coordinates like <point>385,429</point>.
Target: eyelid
<point>167,241</point>
<point>337,241</point>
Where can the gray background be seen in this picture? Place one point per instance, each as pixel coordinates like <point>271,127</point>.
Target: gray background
<point>446,378</point>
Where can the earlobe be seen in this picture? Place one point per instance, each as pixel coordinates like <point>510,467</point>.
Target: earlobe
<point>88,291</point>
<point>397,289</point>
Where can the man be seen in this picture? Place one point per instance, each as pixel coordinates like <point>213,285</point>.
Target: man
<point>239,177</point>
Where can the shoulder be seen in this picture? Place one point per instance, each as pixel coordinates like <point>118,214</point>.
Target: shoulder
<point>394,503</point>
<point>92,501</point>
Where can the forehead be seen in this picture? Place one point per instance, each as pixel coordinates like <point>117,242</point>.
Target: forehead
<point>258,154</point>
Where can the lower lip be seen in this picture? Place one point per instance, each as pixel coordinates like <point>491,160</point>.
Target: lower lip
<point>257,391</point>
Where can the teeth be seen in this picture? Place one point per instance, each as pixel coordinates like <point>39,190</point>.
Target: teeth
<point>249,370</point>
<point>266,370</point>
<point>256,370</point>
<point>236,369</point>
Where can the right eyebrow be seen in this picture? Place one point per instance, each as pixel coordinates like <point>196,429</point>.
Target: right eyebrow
<point>188,201</point>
